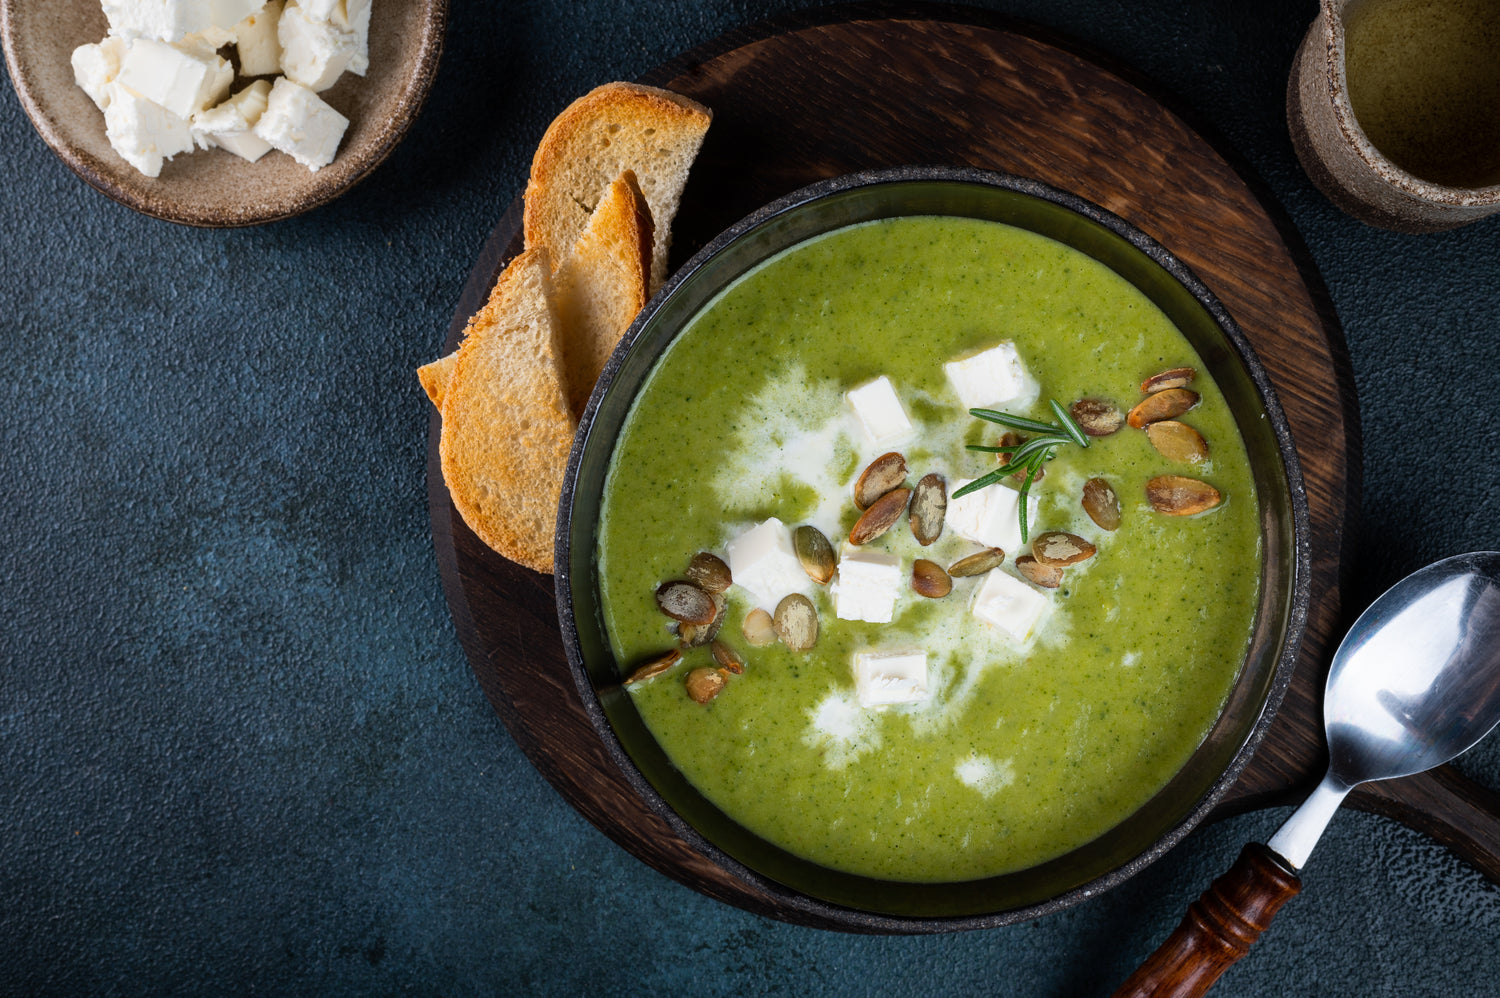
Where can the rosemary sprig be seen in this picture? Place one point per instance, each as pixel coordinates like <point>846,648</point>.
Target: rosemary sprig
<point>1028,456</point>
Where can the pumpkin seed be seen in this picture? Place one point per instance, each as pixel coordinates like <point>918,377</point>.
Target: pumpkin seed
<point>703,683</point>
<point>929,504</point>
<point>886,472</point>
<point>1177,441</point>
<point>815,553</point>
<point>655,667</point>
<point>1101,503</point>
<point>1096,417</point>
<point>686,602</point>
<point>709,573</point>
<point>880,517</point>
<point>796,622</point>
<point>977,563</point>
<point>698,635</point>
<point>1033,571</point>
<point>1167,404</point>
<point>928,579</point>
<point>1057,547</point>
<point>758,628</point>
<point>728,658</point>
<point>1175,377</point>
<point>1175,495</point>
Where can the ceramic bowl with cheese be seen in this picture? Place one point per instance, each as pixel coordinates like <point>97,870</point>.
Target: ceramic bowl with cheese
<point>929,550</point>
<point>223,113</point>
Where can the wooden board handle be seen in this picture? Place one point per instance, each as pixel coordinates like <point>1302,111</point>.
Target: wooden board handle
<point>1218,928</point>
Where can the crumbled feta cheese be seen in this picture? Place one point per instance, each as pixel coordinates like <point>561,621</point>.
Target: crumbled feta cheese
<point>763,562</point>
<point>1009,604</point>
<point>879,412</point>
<point>180,79</point>
<point>300,124</point>
<point>313,53</point>
<point>990,516</point>
<point>230,125</point>
<point>993,377</point>
<point>866,585</point>
<point>94,66</point>
<point>259,51</point>
<point>353,16</point>
<point>887,677</point>
<point>142,131</point>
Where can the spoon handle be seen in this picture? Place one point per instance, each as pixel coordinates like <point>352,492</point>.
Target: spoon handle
<point>1217,929</point>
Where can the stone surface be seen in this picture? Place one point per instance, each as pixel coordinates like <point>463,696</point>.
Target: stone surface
<point>241,748</point>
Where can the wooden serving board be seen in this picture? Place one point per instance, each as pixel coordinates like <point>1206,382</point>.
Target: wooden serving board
<point>816,95</point>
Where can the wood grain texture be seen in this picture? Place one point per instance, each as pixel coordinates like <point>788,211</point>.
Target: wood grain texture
<point>817,95</point>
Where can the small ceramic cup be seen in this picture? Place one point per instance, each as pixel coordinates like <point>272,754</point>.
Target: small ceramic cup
<point>1339,157</point>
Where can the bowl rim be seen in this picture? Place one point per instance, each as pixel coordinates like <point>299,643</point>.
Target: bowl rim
<point>1298,596</point>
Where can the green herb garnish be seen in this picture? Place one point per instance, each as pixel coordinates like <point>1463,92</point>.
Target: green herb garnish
<point>1027,456</point>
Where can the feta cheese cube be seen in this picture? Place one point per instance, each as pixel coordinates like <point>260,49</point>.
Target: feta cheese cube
<point>313,53</point>
<point>300,124</point>
<point>173,20</point>
<point>879,412</point>
<point>142,131</point>
<point>230,125</point>
<point>993,377</point>
<point>359,27</point>
<point>259,51</point>
<point>94,66</point>
<point>180,79</point>
<point>866,585</point>
<point>763,562</point>
<point>1009,604</point>
<point>887,677</point>
<point>990,516</point>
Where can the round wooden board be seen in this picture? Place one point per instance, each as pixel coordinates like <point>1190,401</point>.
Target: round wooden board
<point>816,95</point>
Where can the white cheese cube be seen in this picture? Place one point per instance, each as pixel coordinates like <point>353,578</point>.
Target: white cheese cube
<point>879,412</point>
<point>359,27</point>
<point>866,585</point>
<point>142,131</point>
<point>313,53</point>
<point>887,677</point>
<point>993,377</point>
<point>763,562</point>
<point>226,14</point>
<point>230,125</point>
<point>95,66</point>
<point>180,79</point>
<point>300,124</point>
<point>1009,604</point>
<point>259,51</point>
<point>173,20</point>
<point>991,516</point>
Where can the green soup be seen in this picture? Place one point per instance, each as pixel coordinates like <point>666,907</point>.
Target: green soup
<point>1021,751</point>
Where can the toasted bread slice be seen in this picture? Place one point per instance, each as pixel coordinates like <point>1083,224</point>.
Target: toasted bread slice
<point>435,377</point>
<point>619,126</point>
<point>507,429</point>
<point>602,285</point>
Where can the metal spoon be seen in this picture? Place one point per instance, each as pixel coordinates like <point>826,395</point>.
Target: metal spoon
<point>1415,683</point>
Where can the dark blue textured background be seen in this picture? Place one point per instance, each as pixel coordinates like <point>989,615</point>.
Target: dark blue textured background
<point>240,748</point>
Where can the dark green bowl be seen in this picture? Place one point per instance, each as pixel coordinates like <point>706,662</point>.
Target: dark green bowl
<point>863,903</point>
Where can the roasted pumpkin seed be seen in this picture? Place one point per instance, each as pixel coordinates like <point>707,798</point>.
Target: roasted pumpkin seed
<point>1096,417</point>
<point>686,602</point>
<point>655,667</point>
<point>698,635</point>
<point>886,472</point>
<point>880,517</point>
<point>929,505</point>
<point>728,658</point>
<point>1101,503</point>
<point>709,573</point>
<point>1168,404</point>
<point>1175,377</point>
<point>1177,441</point>
<point>758,628</point>
<point>977,563</point>
<point>928,579</point>
<point>1175,495</point>
<point>815,553</point>
<point>1033,571</point>
<point>1058,547</point>
<point>703,683</point>
<point>796,622</point>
